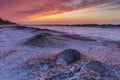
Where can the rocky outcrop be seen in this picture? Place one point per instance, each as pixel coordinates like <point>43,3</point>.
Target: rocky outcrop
<point>44,40</point>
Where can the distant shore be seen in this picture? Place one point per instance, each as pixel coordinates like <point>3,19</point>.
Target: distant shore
<point>78,25</point>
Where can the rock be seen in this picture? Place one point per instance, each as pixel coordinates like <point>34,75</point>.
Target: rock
<point>97,66</point>
<point>90,79</point>
<point>62,76</point>
<point>68,56</point>
<point>111,78</point>
<point>44,40</point>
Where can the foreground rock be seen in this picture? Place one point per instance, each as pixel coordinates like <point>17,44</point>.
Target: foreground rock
<point>68,56</point>
<point>97,66</point>
<point>62,76</point>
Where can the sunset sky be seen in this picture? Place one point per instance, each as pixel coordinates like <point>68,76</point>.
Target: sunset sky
<point>61,11</point>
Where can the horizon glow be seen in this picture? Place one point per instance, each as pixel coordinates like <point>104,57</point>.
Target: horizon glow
<point>61,11</point>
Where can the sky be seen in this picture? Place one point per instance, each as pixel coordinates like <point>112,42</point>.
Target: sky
<point>61,11</point>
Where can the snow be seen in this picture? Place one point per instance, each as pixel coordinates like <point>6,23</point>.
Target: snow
<point>14,55</point>
<point>108,33</point>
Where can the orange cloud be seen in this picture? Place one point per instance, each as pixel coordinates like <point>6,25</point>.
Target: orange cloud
<point>19,10</point>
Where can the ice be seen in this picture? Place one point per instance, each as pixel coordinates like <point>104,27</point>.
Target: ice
<point>108,33</point>
<point>14,54</point>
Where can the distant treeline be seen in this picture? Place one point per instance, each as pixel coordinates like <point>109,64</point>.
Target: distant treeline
<point>3,21</point>
<point>80,25</point>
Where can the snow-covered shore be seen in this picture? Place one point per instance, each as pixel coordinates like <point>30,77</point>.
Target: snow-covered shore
<point>22,54</point>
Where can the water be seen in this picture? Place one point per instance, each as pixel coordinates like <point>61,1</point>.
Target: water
<point>107,33</point>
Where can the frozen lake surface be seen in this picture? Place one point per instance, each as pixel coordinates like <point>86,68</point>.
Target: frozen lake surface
<point>107,33</point>
<point>23,56</point>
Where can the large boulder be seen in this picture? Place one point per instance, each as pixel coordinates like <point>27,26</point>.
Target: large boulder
<point>68,56</point>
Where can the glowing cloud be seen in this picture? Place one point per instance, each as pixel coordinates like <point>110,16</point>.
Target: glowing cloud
<point>28,10</point>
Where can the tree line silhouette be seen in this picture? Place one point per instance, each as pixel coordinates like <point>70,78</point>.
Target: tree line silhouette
<point>3,21</point>
<point>79,25</point>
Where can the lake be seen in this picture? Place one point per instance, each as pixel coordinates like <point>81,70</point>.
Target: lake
<point>107,33</point>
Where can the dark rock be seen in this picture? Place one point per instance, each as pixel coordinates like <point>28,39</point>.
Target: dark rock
<point>89,79</point>
<point>118,43</point>
<point>113,71</point>
<point>61,76</point>
<point>111,78</point>
<point>68,56</point>
<point>97,66</point>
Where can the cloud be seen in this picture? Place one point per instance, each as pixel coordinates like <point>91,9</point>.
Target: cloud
<point>60,6</point>
<point>23,8</point>
<point>111,5</point>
